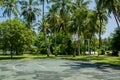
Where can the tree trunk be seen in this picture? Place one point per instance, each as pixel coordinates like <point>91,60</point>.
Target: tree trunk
<point>100,31</point>
<point>44,31</point>
<point>11,53</point>
<point>55,42</point>
<point>78,41</point>
<point>116,19</point>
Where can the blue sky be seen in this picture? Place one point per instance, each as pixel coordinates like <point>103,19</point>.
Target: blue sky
<point>110,27</point>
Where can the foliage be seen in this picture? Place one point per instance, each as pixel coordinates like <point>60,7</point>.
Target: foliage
<point>39,42</point>
<point>116,42</point>
<point>15,36</point>
<point>63,44</point>
<point>29,11</point>
<point>65,20</point>
<point>10,7</point>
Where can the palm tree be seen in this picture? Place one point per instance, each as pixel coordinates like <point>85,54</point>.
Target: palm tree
<point>112,7</point>
<point>44,29</point>
<point>79,16</point>
<point>89,28</point>
<point>53,19</point>
<point>64,8</point>
<point>101,14</point>
<point>29,11</point>
<point>1,2</point>
<point>10,7</point>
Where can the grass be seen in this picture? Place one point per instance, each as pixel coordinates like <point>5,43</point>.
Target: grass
<point>99,59</point>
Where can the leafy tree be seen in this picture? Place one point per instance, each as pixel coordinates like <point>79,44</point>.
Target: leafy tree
<point>116,42</point>
<point>18,38</point>
<point>40,44</point>
<point>10,7</point>
<point>64,44</point>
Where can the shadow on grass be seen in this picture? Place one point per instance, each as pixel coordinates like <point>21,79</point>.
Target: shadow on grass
<point>43,57</point>
<point>87,58</point>
<point>13,58</point>
<point>25,56</point>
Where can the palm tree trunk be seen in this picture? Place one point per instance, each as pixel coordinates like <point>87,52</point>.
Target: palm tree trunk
<point>11,52</point>
<point>44,31</point>
<point>116,19</point>
<point>100,30</point>
<point>55,42</point>
<point>11,47</point>
<point>78,41</point>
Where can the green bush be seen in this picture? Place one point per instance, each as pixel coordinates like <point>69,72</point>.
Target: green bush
<point>100,51</point>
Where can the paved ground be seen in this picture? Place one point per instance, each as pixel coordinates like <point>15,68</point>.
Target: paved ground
<point>56,69</point>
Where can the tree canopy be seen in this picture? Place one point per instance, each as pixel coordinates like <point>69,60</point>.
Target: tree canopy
<point>64,28</point>
<point>16,36</point>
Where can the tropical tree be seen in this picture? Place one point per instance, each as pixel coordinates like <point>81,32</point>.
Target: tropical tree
<point>79,17</point>
<point>112,6</point>
<point>61,11</point>
<point>10,7</point>
<point>116,42</point>
<point>43,21</point>
<point>18,38</point>
<point>89,29</point>
<point>64,7</point>
<point>53,20</point>
<point>102,16</point>
<point>29,11</point>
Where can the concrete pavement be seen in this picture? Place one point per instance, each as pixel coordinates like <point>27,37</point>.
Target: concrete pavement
<point>56,69</point>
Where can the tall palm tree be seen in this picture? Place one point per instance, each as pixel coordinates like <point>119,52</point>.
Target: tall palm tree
<point>29,11</point>
<point>112,7</point>
<point>79,17</point>
<point>44,29</point>
<point>64,8</point>
<point>53,19</point>
<point>10,8</point>
<point>102,15</point>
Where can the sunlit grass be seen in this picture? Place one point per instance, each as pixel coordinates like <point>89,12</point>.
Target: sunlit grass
<point>100,59</point>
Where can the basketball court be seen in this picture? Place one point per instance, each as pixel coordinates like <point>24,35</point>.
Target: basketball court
<point>57,69</point>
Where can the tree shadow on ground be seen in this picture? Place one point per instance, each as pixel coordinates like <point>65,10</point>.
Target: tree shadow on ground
<point>84,65</point>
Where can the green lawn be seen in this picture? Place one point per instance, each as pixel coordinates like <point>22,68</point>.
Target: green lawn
<point>99,59</point>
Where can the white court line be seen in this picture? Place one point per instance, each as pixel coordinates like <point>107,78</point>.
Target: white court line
<point>42,67</point>
<point>16,68</point>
